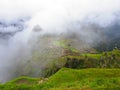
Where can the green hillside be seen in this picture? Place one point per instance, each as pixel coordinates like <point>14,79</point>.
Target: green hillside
<point>67,68</point>
<point>70,79</point>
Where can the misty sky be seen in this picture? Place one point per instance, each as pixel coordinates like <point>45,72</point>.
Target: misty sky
<point>55,14</point>
<point>91,20</point>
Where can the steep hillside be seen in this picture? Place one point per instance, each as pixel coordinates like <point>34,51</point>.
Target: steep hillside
<point>70,79</point>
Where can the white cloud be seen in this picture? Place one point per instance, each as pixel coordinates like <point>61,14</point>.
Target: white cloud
<point>53,16</point>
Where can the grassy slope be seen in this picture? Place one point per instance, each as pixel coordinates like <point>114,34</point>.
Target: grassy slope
<point>64,45</point>
<point>70,79</point>
<point>97,56</point>
<point>86,78</point>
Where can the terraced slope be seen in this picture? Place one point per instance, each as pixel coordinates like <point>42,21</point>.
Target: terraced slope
<point>70,79</point>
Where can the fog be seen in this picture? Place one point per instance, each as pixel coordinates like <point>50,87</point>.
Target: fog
<point>25,22</point>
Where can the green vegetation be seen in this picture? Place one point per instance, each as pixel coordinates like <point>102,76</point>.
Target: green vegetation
<point>25,80</point>
<point>65,45</point>
<point>85,78</point>
<point>103,60</point>
<point>72,71</point>
<point>95,56</point>
<point>70,79</point>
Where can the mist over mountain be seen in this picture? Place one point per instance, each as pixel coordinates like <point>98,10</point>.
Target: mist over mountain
<point>29,30</point>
